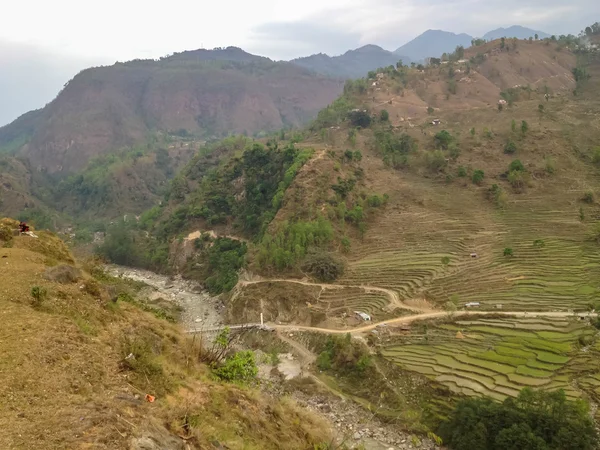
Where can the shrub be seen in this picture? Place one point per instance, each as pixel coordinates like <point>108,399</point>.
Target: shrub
<point>63,274</point>
<point>588,197</point>
<point>39,295</point>
<point>442,139</point>
<point>430,110</point>
<point>510,148</point>
<point>374,201</point>
<point>477,177</point>
<point>435,161</point>
<point>472,131</point>
<point>323,266</point>
<point>384,116</point>
<point>516,165</point>
<point>507,251</point>
<point>538,243</point>
<point>345,244</point>
<point>359,118</point>
<point>462,172</point>
<point>550,165</point>
<point>516,179</point>
<point>241,368</point>
<point>524,127</point>
<point>445,260</point>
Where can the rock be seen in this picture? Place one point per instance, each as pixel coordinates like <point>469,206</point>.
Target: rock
<point>198,320</point>
<point>356,436</point>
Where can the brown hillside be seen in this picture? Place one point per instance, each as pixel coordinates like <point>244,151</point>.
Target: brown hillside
<point>529,66</point>
<point>75,368</point>
<point>105,108</point>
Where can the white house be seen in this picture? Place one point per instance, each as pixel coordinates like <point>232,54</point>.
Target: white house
<point>362,316</point>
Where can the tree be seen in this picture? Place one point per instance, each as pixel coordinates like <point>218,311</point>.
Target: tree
<point>588,31</point>
<point>472,131</point>
<point>478,176</point>
<point>538,243</point>
<point>445,260</point>
<point>323,266</point>
<point>442,139</point>
<point>241,367</point>
<point>430,110</point>
<point>500,107</point>
<point>384,116</point>
<point>541,108</point>
<point>513,126</point>
<point>502,42</point>
<point>536,36</point>
<point>359,118</point>
<point>508,251</point>
<point>399,64</point>
<point>524,127</point>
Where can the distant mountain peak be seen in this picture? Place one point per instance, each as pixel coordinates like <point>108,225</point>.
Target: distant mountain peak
<point>433,43</point>
<point>516,31</point>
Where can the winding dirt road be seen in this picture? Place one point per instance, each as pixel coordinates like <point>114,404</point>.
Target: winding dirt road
<point>393,297</point>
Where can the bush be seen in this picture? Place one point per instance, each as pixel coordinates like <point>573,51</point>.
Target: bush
<point>462,172</point>
<point>588,197</point>
<point>445,260</point>
<point>516,180</point>
<point>384,116</point>
<point>323,266</point>
<point>516,165</point>
<point>39,295</point>
<point>63,274</point>
<point>510,148</point>
<point>507,251</point>
<point>374,201</point>
<point>241,368</point>
<point>430,110</point>
<point>538,243</point>
<point>436,161</point>
<point>442,139</point>
<point>477,177</point>
<point>359,118</point>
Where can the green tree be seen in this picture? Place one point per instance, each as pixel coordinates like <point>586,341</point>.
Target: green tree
<point>536,36</point>
<point>384,116</point>
<point>430,110</point>
<point>524,127</point>
<point>472,131</point>
<point>461,172</point>
<point>516,165</point>
<point>513,126</point>
<point>445,260</point>
<point>477,177</point>
<point>508,251</point>
<point>443,139</point>
<point>502,42</point>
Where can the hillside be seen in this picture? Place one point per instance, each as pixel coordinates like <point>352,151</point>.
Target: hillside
<point>352,64</point>
<point>202,93</point>
<point>433,43</point>
<point>100,354</point>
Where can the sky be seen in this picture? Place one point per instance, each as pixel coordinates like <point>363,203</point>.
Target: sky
<point>44,43</point>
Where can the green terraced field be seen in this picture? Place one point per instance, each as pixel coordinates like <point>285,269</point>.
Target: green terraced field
<point>506,356</point>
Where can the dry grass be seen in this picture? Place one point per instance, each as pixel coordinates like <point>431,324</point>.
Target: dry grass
<point>65,381</point>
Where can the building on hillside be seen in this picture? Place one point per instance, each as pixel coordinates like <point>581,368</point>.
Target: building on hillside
<point>472,305</point>
<point>435,122</point>
<point>362,316</point>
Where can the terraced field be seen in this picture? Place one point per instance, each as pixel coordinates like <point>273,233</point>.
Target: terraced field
<point>496,357</point>
<point>558,272</point>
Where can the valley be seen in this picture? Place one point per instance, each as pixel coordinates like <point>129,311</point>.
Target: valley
<point>426,247</point>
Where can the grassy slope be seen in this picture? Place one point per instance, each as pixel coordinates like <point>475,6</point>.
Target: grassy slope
<point>64,381</point>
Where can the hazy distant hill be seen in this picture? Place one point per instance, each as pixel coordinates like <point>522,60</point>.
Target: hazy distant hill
<point>515,31</point>
<point>352,64</point>
<point>204,93</point>
<point>433,43</point>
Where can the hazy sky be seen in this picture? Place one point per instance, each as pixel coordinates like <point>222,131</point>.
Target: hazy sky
<point>44,43</point>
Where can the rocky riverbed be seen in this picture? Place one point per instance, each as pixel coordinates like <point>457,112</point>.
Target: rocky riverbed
<point>199,310</point>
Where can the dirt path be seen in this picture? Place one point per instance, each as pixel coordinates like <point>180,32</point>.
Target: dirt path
<point>429,315</point>
<point>392,296</point>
